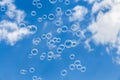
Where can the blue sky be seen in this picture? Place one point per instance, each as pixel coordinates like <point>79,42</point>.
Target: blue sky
<point>92,25</point>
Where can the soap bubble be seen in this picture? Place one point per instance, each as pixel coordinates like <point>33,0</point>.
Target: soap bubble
<point>58,9</point>
<point>74,43</point>
<point>74,27</point>
<point>64,28</point>
<point>39,19</point>
<point>42,57</point>
<point>32,70</point>
<point>32,29</point>
<point>49,58</point>
<point>2,8</point>
<point>72,67</point>
<point>23,71</point>
<point>52,1</point>
<point>77,62</point>
<point>58,22</point>
<point>22,25</point>
<point>43,36</point>
<point>62,46</point>
<point>59,50</point>
<point>49,35</point>
<point>39,5</point>
<point>68,43</point>
<point>36,41</point>
<point>34,2</point>
<point>51,53</point>
<point>59,30</point>
<point>72,56</point>
<point>33,13</point>
<point>34,77</point>
<point>44,16</point>
<point>63,72</point>
<point>51,16</point>
<point>67,2</point>
<point>34,51</point>
<point>68,12</point>
<point>83,69</point>
<point>79,66</point>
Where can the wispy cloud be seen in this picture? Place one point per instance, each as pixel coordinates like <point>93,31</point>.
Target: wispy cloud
<point>10,31</point>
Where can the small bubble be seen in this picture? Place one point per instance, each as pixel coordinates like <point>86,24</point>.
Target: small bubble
<point>36,41</point>
<point>75,27</point>
<point>43,36</point>
<point>42,57</point>
<point>44,16</point>
<point>63,72</point>
<point>62,46</point>
<point>51,16</point>
<point>67,2</point>
<point>34,51</point>
<point>72,67</point>
<point>59,50</point>
<point>39,19</point>
<point>33,13</point>
<point>72,56</point>
<point>78,66</point>
<point>68,12</point>
<point>34,77</point>
<point>83,69</point>
<point>34,2</point>
<point>49,58</point>
<point>39,5</point>
<point>59,30</point>
<point>51,53</point>
<point>22,25</point>
<point>68,43</point>
<point>77,62</point>
<point>39,78</point>
<point>49,35</point>
<point>52,1</point>
<point>2,8</point>
<point>32,29</point>
<point>64,28</point>
<point>32,70</point>
<point>23,71</point>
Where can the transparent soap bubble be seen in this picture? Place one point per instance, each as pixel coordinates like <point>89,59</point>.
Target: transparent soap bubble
<point>49,35</point>
<point>59,30</point>
<point>74,27</point>
<point>22,25</point>
<point>64,28</point>
<point>52,1</point>
<point>34,77</point>
<point>68,43</point>
<point>34,2</point>
<point>62,46</point>
<point>44,16</point>
<point>32,29</point>
<point>58,22</point>
<point>63,72</point>
<point>49,58</point>
<point>33,13</point>
<point>36,41</point>
<point>34,51</point>
<point>67,2</point>
<point>68,12</point>
<point>77,62</point>
<point>78,66</point>
<point>78,33</point>
<point>32,70</point>
<point>51,16</point>
<point>2,8</point>
<point>59,50</point>
<point>72,56</point>
<point>39,5</point>
<point>72,67</point>
<point>39,19</point>
<point>23,71</point>
<point>74,43</point>
<point>43,36</point>
<point>51,53</point>
<point>58,40</point>
<point>42,57</point>
<point>83,69</point>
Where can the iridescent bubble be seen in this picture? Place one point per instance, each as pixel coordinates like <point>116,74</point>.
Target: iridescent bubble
<point>33,13</point>
<point>34,51</point>
<point>39,5</point>
<point>72,67</point>
<point>83,69</point>
<point>51,16</point>
<point>32,70</point>
<point>36,41</point>
<point>68,43</point>
<point>23,71</point>
<point>32,29</point>
<point>63,72</point>
<point>72,56</point>
<point>52,1</point>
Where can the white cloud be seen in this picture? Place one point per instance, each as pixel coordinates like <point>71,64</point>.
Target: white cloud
<point>106,27</point>
<point>78,13</point>
<point>10,32</point>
